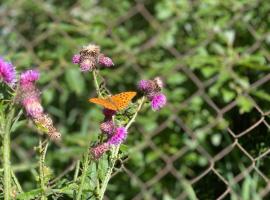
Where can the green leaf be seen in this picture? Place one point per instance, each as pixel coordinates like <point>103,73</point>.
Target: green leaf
<point>245,104</point>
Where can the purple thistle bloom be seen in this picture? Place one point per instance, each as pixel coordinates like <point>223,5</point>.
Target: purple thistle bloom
<point>29,76</point>
<point>107,127</point>
<point>105,61</point>
<point>32,107</point>
<point>7,72</point>
<point>119,136</point>
<point>76,59</point>
<point>87,65</point>
<point>145,86</point>
<point>158,101</point>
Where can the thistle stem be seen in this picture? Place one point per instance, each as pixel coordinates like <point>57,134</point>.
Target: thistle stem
<point>84,174</point>
<point>6,154</point>
<point>114,154</point>
<point>42,156</point>
<point>96,83</point>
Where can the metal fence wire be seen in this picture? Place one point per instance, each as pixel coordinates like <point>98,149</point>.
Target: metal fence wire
<point>225,156</point>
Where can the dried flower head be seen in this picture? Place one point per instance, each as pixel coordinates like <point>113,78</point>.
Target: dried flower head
<point>7,72</point>
<point>90,49</point>
<point>107,127</point>
<point>99,150</point>
<point>45,124</point>
<point>159,82</point>
<point>119,136</point>
<point>158,101</point>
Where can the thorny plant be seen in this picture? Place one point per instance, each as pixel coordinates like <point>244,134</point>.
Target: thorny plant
<point>94,170</point>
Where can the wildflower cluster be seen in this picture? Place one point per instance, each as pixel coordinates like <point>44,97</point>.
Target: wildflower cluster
<point>28,95</point>
<point>152,90</point>
<point>89,57</point>
<point>115,135</point>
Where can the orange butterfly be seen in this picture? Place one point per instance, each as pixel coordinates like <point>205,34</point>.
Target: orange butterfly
<point>116,102</point>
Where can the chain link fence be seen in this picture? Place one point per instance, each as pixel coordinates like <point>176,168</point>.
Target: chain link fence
<point>200,147</point>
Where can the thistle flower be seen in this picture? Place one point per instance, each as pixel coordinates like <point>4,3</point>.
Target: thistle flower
<point>76,59</point>
<point>119,136</point>
<point>146,86</point>
<point>107,127</point>
<point>105,61</point>
<point>32,106</point>
<point>151,89</point>
<point>29,76</point>
<point>99,150</point>
<point>90,57</point>
<point>158,101</point>
<point>28,95</point>
<point>7,72</point>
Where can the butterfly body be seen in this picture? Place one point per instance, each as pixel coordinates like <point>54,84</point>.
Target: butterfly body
<point>116,102</point>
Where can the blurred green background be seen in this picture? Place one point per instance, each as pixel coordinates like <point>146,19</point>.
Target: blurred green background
<point>211,141</point>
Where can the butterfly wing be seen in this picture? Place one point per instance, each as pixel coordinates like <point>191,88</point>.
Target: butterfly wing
<point>122,100</point>
<point>106,103</point>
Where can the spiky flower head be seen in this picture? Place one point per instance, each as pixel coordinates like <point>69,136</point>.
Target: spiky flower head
<point>32,107</point>
<point>90,49</point>
<point>107,127</point>
<point>29,77</point>
<point>76,59</point>
<point>105,61</point>
<point>158,101</point>
<point>99,150</point>
<point>45,123</point>
<point>159,82</point>
<point>7,72</point>
<point>145,86</point>
<point>119,136</point>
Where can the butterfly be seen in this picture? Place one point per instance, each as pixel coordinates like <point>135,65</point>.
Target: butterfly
<point>116,102</point>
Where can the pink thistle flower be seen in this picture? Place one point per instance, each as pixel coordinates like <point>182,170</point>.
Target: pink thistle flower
<point>76,59</point>
<point>108,113</point>
<point>87,65</point>
<point>146,86</point>
<point>32,107</point>
<point>107,127</point>
<point>28,77</point>
<point>158,101</point>
<point>105,61</point>
<point>99,150</point>
<point>119,136</point>
<point>7,72</point>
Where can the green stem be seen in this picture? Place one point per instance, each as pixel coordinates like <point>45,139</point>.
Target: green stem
<point>96,83</point>
<point>19,187</point>
<point>114,155</point>
<point>41,168</point>
<point>84,174</point>
<point>6,155</point>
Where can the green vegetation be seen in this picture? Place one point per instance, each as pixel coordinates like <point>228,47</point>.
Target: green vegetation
<point>214,57</point>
